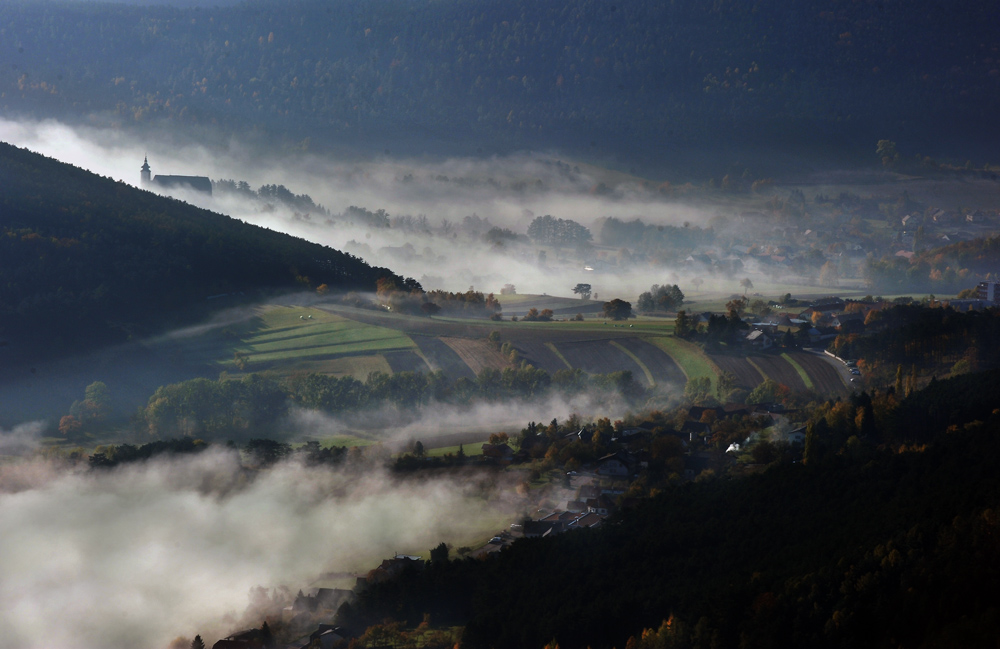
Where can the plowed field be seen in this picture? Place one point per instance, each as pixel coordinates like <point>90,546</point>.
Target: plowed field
<point>405,362</point>
<point>661,366</point>
<point>778,369</point>
<point>747,376</point>
<point>599,357</point>
<point>442,357</point>
<point>824,376</point>
<point>477,354</point>
<point>538,354</point>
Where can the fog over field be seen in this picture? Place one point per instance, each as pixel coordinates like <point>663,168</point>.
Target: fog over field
<point>136,556</point>
<point>507,191</point>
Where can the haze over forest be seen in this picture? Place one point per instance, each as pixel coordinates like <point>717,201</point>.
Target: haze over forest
<point>457,257</point>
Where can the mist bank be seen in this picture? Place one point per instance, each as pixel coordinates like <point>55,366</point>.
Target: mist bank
<point>135,556</point>
<point>457,222</point>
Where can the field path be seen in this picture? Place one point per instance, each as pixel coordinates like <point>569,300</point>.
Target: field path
<point>778,369</point>
<point>442,357</point>
<point>663,368</point>
<point>824,375</point>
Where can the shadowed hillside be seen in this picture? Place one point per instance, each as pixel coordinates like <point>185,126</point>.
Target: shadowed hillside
<point>86,261</point>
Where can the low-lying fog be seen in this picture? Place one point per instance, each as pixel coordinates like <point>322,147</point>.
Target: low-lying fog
<point>135,557</point>
<point>444,251</point>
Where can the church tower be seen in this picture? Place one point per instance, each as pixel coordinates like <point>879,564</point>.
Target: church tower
<point>145,172</point>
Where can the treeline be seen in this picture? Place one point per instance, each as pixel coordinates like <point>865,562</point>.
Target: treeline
<point>256,404</point>
<point>269,194</point>
<point>85,260</point>
<point>654,239</point>
<point>112,455</point>
<point>935,339</point>
<point>626,77</point>
<point>865,545</point>
<point>259,452</point>
<point>942,270</point>
<point>408,296</point>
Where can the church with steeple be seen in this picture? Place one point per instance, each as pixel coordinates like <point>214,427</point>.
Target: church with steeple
<point>149,181</point>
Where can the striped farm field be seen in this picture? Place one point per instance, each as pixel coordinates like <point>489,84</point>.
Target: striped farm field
<point>747,376</point>
<point>824,376</point>
<point>442,357</point>
<point>778,369</point>
<point>290,334</point>
<point>690,358</point>
<point>601,357</point>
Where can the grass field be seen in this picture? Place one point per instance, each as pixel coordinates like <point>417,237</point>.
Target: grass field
<point>692,361</point>
<point>802,372</point>
<point>297,338</point>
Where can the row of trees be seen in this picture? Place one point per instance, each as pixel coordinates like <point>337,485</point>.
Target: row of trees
<point>255,404</point>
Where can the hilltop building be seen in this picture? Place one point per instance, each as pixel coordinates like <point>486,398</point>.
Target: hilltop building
<point>197,183</point>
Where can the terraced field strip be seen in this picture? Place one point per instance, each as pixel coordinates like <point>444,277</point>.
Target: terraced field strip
<point>600,357</point>
<point>299,333</point>
<point>747,376</point>
<point>824,376</point>
<point>777,369</point>
<point>442,357</point>
<point>405,361</point>
<point>552,347</point>
<point>477,354</point>
<point>630,354</point>
<point>357,366</point>
<point>663,367</point>
<point>801,370</point>
<point>689,358</point>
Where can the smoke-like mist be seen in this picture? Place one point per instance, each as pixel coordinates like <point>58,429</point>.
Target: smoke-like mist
<point>21,439</point>
<point>508,191</point>
<point>438,420</point>
<point>137,556</point>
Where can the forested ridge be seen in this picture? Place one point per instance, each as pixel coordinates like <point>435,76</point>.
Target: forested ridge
<point>874,545</point>
<point>630,76</point>
<point>86,260</point>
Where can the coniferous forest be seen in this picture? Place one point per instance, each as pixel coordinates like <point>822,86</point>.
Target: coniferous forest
<point>641,77</point>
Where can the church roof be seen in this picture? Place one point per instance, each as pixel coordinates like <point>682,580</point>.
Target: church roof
<point>200,183</point>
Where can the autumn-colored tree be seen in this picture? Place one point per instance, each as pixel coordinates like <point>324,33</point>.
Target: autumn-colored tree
<point>69,426</point>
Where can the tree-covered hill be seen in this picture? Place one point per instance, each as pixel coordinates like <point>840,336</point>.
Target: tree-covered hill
<point>868,547</point>
<point>639,76</point>
<point>86,260</point>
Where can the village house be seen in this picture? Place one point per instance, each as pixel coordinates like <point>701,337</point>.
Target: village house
<point>758,340</point>
<point>616,464</point>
